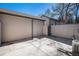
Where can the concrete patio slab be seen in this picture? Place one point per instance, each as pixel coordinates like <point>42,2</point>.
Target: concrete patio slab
<point>36,47</point>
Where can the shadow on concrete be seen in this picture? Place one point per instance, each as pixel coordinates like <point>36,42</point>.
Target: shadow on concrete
<point>65,52</point>
<point>15,41</point>
<point>20,40</point>
<point>61,39</point>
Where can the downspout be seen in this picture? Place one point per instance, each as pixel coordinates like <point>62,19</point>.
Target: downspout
<point>0,32</point>
<point>32,28</point>
<point>43,28</point>
<point>49,28</point>
<point>1,38</point>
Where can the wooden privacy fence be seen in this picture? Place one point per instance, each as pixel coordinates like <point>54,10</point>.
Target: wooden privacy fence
<point>66,31</point>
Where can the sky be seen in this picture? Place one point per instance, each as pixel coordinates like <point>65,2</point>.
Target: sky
<point>27,8</point>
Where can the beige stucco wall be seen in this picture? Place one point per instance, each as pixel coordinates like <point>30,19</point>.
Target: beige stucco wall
<point>37,27</point>
<point>66,31</point>
<point>15,28</point>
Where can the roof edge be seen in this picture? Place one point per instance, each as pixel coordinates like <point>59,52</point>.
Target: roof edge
<point>50,18</point>
<point>9,12</point>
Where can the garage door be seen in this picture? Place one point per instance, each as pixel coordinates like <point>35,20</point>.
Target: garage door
<point>37,27</point>
<point>16,28</point>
